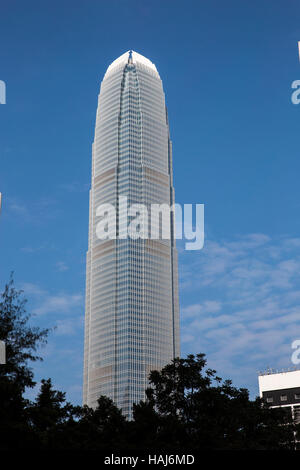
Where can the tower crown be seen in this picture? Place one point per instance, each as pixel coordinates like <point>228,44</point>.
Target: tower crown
<point>133,58</point>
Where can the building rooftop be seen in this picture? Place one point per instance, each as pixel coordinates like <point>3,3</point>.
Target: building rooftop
<point>278,380</point>
<point>135,58</point>
<point>271,371</point>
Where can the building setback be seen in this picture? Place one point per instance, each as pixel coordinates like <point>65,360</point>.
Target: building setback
<point>132,313</point>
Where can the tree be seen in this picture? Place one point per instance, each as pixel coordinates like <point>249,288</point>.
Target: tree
<point>187,407</point>
<point>21,343</point>
<point>191,408</point>
<point>103,428</point>
<point>52,419</point>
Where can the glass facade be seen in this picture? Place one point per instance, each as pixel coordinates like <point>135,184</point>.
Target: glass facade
<point>132,313</point>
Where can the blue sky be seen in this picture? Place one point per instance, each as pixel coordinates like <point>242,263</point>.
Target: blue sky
<point>227,69</point>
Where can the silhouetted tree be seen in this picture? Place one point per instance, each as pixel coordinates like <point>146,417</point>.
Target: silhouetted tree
<point>52,419</point>
<point>21,343</point>
<point>103,428</point>
<point>188,407</point>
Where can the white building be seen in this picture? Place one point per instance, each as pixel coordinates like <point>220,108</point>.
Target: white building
<point>281,389</point>
<point>132,314</point>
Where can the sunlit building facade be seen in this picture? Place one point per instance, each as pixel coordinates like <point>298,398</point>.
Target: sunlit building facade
<point>132,313</point>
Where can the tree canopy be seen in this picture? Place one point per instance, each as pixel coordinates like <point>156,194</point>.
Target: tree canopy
<point>187,406</point>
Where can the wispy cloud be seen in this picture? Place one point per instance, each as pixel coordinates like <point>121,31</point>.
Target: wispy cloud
<point>246,303</point>
<point>33,289</point>
<point>44,302</point>
<point>33,211</point>
<point>60,303</point>
<point>61,266</point>
<point>75,187</point>
<point>18,209</point>
<point>36,249</point>
<point>69,327</point>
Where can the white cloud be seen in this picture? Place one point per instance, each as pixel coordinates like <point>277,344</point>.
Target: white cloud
<point>61,266</point>
<point>246,309</point>
<point>209,306</point>
<point>44,302</point>
<point>34,211</point>
<point>69,326</point>
<point>32,289</point>
<point>59,303</point>
<point>75,187</point>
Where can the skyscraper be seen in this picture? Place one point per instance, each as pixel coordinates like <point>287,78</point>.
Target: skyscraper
<point>132,313</point>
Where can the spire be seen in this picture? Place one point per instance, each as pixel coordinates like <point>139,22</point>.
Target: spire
<point>130,58</point>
